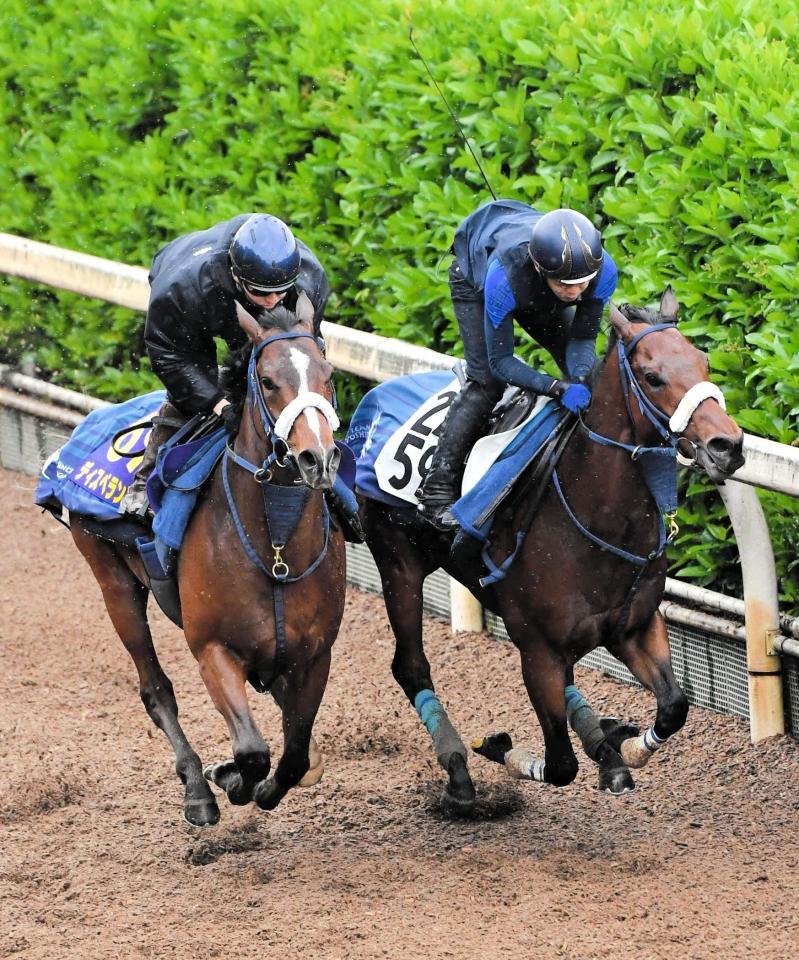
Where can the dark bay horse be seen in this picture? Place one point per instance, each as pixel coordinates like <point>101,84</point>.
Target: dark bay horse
<point>591,566</point>
<point>257,606</point>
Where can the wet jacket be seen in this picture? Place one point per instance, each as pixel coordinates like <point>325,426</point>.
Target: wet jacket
<point>492,248</point>
<point>193,299</point>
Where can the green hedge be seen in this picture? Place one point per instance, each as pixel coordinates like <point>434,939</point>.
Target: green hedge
<point>674,126</point>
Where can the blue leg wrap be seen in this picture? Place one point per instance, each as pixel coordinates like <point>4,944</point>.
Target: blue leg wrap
<point>430,711</point>
<point>583,721</point>
<point>434,717</point>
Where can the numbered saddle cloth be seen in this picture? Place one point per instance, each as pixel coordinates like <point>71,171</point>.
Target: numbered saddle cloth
<point>90,476</point>
<point>393,434</point>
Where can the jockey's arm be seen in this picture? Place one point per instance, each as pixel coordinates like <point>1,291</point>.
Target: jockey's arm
<point>498,327</point>
<point>176,356</point>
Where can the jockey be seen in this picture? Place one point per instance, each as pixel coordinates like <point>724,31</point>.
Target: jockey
<point>195,283</point>
<point>548,272</point>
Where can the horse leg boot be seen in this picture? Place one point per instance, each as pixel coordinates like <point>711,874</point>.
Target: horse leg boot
<point>597,738</point>
<point>465,422</point>
<point>646,654</point>
<point>165,424</point>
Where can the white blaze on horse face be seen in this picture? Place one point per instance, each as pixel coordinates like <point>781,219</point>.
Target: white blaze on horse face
<point>302,362</point>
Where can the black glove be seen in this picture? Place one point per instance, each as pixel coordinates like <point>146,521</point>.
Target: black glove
<point>229,419</point>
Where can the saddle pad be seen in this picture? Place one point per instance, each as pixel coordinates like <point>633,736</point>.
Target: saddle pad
<point>393,434</point>
<point>89,476</point>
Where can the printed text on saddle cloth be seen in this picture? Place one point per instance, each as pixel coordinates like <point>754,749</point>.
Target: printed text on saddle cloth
<point>405,457</point>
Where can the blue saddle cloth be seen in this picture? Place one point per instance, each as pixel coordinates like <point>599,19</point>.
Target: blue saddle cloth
<point>90,476</point>
<point>390,405</point>
<point>382,411</point>
<point>476,509</point>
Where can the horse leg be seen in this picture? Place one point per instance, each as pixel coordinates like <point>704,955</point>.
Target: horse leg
<point>301,697</point>
<point>315,758</point>
<point>126,602</point>
<point>402,591</point>
<point>594,734</point>
<point>225,679</point>
<point>646,654</point>
<point>545,676</point>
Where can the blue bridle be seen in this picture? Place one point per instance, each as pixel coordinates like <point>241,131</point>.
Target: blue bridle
<point>658,463</point>
<point>284,504</point>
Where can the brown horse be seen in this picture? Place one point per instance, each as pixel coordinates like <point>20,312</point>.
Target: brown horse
<point>255,606</point>
<point>591,566</point>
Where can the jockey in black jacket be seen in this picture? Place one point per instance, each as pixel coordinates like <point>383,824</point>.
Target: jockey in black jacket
<point>550,274</point>
<point>195,283</point>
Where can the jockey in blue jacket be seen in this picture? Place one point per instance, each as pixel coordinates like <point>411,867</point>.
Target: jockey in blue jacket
<point>549,273</point>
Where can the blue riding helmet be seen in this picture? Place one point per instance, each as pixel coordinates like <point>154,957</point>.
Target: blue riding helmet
<point>263,255</point>
<point>566,247</point>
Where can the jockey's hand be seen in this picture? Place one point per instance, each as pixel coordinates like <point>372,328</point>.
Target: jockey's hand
<point>572,396</point>
<point>227,414</point>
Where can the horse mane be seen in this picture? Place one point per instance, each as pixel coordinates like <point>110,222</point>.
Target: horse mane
<point>233,375</point>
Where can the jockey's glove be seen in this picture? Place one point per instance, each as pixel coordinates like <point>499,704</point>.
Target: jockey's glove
<point>229,419</point>
<point>572,396</point>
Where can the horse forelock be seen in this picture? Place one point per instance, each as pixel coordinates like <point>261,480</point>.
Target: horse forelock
<point>233,376</point>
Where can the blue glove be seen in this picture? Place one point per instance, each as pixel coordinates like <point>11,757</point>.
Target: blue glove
<point>575,397</point>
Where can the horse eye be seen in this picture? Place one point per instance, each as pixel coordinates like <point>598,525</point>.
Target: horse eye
<point>268,384</point>
<point>653,380</point>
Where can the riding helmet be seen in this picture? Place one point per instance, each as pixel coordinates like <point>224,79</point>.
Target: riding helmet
<point>264,254</point>
<point>566,247</point>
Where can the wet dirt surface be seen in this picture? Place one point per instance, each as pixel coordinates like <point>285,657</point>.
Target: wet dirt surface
<point>701,861</point>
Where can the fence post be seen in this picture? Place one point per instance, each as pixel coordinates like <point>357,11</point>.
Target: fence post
<point>761,612</point>
<point>465,611</point>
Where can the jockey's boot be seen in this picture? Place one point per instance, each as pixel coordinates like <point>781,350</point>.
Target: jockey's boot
<point>342,502</point>
<point>166,423</point>
<point>465,422</point>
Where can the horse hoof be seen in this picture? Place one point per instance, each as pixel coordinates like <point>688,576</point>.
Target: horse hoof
<point>201,813</point>
<point>616,732</point>
<point>227,777</point>
<point>459,797</point>
<point>635,753</point>
<point>616,782</point>
<point>493,747</point>
<point>266,794</point>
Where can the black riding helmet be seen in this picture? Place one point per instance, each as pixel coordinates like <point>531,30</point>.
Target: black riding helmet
<point>263,255</point>
<point>566,247</point>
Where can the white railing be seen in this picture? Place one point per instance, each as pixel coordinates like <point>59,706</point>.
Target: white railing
<point>770,465</point>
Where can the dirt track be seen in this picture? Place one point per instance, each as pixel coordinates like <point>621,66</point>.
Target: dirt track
<point>702,861</point>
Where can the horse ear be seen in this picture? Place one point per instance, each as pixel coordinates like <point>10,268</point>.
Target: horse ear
<point>304,309</point>
<point>249,324</point>
<point>620,323</point>
<point>669,305</point>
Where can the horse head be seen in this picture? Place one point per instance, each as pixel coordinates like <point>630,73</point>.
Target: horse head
<point>290,394</point>
<point>672,380</point>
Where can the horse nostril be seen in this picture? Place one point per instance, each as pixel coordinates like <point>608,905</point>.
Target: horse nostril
<point>726,451</point>
<point>308,463</point>
<point>333,460</point>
